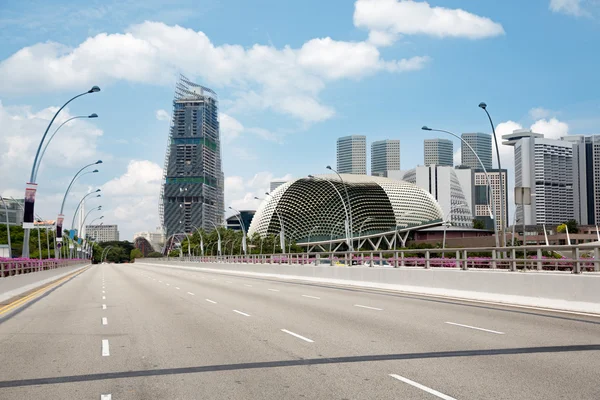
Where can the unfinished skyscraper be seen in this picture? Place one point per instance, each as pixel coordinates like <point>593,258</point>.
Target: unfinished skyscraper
<point>192,190</point>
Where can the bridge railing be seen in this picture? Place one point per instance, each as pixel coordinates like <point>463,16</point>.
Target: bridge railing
<point>12,267</point>
<point>574,259</point>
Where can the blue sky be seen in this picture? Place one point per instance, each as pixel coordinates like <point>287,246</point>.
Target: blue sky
<point>291,78</point>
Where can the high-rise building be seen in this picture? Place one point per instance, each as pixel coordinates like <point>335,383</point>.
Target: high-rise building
<point>192,190</point>
<point>14,208</point>
<point>484,203</point>
<point>275,184</point>
<point>439,152</point>
<point>452,188</point>
<point>586,177</point>
<point>545,166</point>
<point>102,233</point>
<point>482,144</point>
<point>352,155</point>
<point>385,156</point>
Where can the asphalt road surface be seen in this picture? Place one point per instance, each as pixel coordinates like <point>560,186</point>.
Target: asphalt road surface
<point>144,332</point>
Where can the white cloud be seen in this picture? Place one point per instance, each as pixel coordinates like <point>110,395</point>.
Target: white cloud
<point>162,115</point>
<point>570,7</point>
<point>243,154</point>
<point>286,80</point>
<point>539,113</point>
<point>75,144</point>
<point>240,193</point>
<point>552,128</point>
<point>388,18</point>
<point>142,178</point>
<point>457,157</point>
<point>132,198</point>
<point>230,127</point>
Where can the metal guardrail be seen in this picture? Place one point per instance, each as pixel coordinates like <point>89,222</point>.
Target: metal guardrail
<point>583,258</point>
<point>19,267</point>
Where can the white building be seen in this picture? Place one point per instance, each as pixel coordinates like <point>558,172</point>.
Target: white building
<point>438,152</point>
<point>102,233</point>
<point>546,166</point>
<point>484,204</point>
<point>156,238</point>
<point>482,144</point>
<point>452,188</point>
<point>385,156</point>
<point>352,155</point>
<point>14,208</point>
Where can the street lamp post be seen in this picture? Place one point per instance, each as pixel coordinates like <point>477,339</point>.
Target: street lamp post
<point>490,194</point>
<point>360,229</point>
<point>331,235</point>
<point>448,223</point>
<point>219,236</point>
<point>349,240</point>
<point>483,106</point>
<point>239,218</point>
<point>201,239</point>
<point>52,137</point>
<point>7,227</point>
<point>26,231</point>
<point>99,208</point>
<point>349,207</point>
<point>79,205</point>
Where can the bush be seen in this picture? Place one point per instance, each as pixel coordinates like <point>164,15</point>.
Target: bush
<point>154,254</point>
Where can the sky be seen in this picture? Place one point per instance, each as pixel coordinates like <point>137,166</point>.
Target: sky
<point>291,78</point>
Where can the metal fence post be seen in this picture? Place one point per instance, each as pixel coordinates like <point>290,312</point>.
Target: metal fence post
<point>577,264</point>
<point>596,259</point>
<point>494,254</point>
<point>371,261</point>
<point>539,259</point>
<point>465,260</point>
<point>402,259</point>
<point>395,259</point>
<point>427,259</point>
<point>513,261</point>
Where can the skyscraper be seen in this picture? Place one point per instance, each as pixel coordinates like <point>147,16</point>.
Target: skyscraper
<point>482,144</point>
<point>192,191</point>
<point>352,155</point>
<point>439,152</point>
<point>385,156</point>
<point>546,166</point>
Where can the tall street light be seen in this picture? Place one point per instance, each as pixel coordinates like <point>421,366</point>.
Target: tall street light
<point>96,219</point>
<point>30,192</point>
<point>360,229</point>
<point>7,227</point>
<point>219,238</point>
<point>483,106</point>
<point>79,205</point>
<point>37,168</point>
<point>99,208</point>
<point>201,239</point>
<point>239,218</point>
<point>349,239</point>
<point>350,228</point>
<point>487,177</point>
<point>59,220</point>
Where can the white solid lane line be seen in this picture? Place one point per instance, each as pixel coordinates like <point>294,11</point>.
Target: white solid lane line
<point>210,301</point>
<point>474,327</point>
<point>177,288</point>
<point>273,290</point>
<point>298,336</point>
<point>104,321</point>
<point>242,313</point>
<point>104,306</point>
<point>311,297</point>
<point>191,294</point>
<point>424,388</point>
<point>105,397</point>
<point>105,349</point>
<point>370,308</point>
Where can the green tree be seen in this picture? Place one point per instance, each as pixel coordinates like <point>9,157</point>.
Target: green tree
<point>478,224</point>
<point>154,254</point>
<point>135,253</point>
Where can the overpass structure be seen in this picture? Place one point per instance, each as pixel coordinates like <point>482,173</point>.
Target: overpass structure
<point>205,329</point>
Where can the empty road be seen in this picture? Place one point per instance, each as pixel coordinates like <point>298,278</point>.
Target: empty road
<point>139,331</point>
